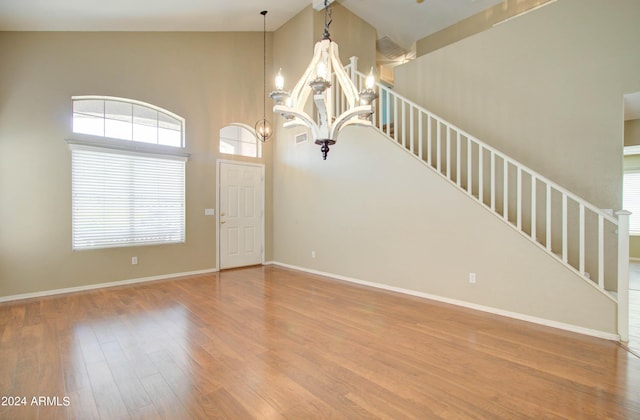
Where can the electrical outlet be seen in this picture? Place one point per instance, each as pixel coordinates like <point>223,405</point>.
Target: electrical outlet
<point>313,254</point>
<point>134,260</point>
<point>472,278</point>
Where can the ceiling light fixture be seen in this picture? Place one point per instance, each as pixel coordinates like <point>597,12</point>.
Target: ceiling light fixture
<point>263,128</point>
<point>317,79</point>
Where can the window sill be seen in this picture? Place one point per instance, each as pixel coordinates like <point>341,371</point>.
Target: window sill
<point>87,142</point>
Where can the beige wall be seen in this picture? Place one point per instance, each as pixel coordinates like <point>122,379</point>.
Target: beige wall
<point>545,88</point>
<point>210,79</point>
<point>372,213</point>
<point>632,133</point>
<point>475,24</point>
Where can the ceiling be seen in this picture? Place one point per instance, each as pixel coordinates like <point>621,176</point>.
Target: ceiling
<point>403,21</point>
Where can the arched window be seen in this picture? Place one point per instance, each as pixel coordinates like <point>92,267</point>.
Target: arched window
<point>126,119</point>
<point>239,139</point>
<point>128,175</point>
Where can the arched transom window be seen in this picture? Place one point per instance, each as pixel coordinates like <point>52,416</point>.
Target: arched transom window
<point>126,119</point>
<point>239,139</point>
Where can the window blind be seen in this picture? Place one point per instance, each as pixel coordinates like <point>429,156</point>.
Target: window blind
<point>126,199</point>
<point>631,200</point>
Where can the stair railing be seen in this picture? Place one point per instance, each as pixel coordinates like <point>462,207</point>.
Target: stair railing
<point>592,242</point>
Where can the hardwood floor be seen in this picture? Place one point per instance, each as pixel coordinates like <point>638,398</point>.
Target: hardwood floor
<point>267,342</point>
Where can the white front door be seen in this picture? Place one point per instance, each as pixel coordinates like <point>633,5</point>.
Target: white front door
<point>240,202</point>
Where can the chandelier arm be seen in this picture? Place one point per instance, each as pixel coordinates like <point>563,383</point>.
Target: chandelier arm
<point>355,121</point>
<point>300,93</point>
<point>301,115</point>
<point>349,118</point>
<point>295,122</point>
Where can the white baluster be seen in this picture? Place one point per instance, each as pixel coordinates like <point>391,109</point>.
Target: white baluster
<point>601,251</point>
<point>404,125</point>
<point>505,194</point>
<point>438,145</point>
<point>469,166</point>
<point>480,173</point>
<point>533,207</point>
<point>411,134</point>
<point>429,153</point>
<point>581,240</point>
<point>458,144</point>
<point>391,111</point>
<point>565,235</point>
<point>519,198</point>
<point>353,69</point>
<point>493,181</point>
<point>548,218</point>
<point>448,152</point>
<point>420,147</point>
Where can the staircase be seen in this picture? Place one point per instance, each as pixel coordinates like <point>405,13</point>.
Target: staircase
<point>591,242</point>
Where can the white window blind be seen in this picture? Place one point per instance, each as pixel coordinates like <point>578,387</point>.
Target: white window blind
<point>125,199</point>
<point>631,200</point>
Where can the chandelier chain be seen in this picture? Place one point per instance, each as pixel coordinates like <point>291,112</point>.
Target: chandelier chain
<point>263,130</point>
<point>264,65</point>
<point>328,18</point>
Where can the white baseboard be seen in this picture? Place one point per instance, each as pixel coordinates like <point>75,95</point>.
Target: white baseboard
<point>488,309</point>
<point>103,285</point>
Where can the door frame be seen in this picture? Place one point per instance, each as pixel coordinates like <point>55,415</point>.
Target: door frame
<point>219,163</point>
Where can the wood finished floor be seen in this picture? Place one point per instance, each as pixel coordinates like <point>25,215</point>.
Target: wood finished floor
<point>268,342</point>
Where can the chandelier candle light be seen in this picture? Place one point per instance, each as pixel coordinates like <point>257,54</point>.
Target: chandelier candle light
<point>316,79</point>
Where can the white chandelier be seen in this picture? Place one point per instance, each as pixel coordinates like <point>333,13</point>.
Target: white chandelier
<point>317,79</point>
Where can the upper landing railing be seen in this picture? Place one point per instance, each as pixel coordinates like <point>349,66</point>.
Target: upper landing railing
<point>592,242</point>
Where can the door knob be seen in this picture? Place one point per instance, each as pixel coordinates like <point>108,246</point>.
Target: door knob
<point>222,222</point>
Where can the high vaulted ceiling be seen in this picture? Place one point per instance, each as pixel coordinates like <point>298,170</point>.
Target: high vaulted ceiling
<point>403,21</point>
